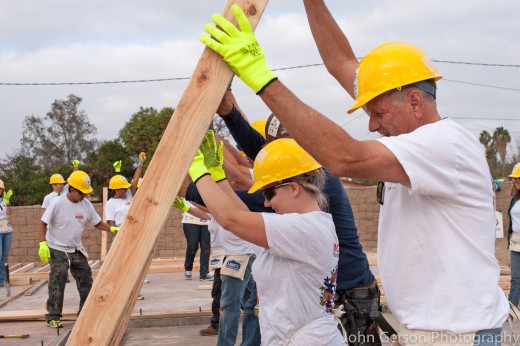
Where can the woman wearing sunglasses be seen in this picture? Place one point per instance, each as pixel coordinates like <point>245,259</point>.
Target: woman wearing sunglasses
<point>296,271</point>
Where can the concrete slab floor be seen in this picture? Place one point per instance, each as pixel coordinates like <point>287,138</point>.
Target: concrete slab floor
<point>165,293</point>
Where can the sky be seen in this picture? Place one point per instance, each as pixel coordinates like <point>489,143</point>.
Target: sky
<point>57,41</point>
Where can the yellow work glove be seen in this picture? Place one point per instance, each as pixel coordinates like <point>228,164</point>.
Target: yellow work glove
<point>141,159</point>
<point>180,203</point>
<point>114,229</point>
<point>7,196</point>
<point>197,169</point>
<point>117,166</point>
<point>44,252</point>
<point>240,49</point>
<point>75,163</point>
<point>213,156</point>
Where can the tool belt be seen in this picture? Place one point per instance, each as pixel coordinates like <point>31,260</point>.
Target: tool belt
<point>359,305</point>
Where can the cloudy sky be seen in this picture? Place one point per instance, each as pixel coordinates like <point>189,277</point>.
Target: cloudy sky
<point>55,41</point>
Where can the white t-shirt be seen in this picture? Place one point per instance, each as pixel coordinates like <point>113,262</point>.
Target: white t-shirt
<point>515,217</point>
<point>47,199</point>
<point>234,245</point>
<point>436,243</point>
<point>214,229</point>
<point>116,208</point>
<point>3,209</point>
<point>296,279</point>
<point>67,222</point>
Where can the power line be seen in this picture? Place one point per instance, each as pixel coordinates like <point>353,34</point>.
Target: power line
<point>276,69</point>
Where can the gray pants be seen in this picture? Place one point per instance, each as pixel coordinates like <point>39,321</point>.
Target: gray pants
<point>60,263</point>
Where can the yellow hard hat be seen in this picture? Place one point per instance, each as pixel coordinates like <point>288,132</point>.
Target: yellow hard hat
<point>259,125</point>
<point>118,182</point>
<point>390,66</point>
<point>56,179</point>
<point>139,182</point>
<point>2,185</point>
<point>81,181</point>
<point>516,171</point>
<point>279,160</point>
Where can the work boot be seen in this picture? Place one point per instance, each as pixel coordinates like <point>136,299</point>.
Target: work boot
<point>55,324</point>
<point>208,331</point>
<point>187,275</point>
<point>207,277</point>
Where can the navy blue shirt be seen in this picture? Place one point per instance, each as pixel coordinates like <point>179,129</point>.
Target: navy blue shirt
<point>353,267</point>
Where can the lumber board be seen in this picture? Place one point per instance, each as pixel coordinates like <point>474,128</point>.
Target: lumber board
<point>106,313</point>
<point>13,297</point>
<point>23,269</point>
<point>70,314</point>
<point>45,268</point>
<point>14,267</point>
<point>35,287</point>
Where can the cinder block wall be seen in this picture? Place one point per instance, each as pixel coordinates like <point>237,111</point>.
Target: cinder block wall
<point>172,242</point>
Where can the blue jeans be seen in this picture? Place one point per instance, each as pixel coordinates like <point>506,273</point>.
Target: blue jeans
<point>236,293</point>
<point>514,292</point>
<point>488,337</point>
<point>5,247</point>
<point>196,234</point>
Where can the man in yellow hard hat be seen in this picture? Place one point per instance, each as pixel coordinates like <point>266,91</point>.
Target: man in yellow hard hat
<point>61,243</point>
<point>435,248</point>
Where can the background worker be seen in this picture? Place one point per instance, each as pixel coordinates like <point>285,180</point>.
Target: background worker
<point>357,290</point>
<point>6,231</point>
<point>216,259</point>
<point>124,192</point>
<point>513,236</point>
<point>57,182</point>
<point>61,243</point>
<point>197,234</point>
<point>296,269</point>
<point>435,249</point>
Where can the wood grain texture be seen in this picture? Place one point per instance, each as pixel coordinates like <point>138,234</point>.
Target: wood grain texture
<point>105,315</point>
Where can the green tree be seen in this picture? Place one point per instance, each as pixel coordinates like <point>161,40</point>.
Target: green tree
<point>27,180</point>
<point>144,130</point>
<point>501,139</point>
<point>487,141</point>
<point>100,164</point>
<point>63,135</point>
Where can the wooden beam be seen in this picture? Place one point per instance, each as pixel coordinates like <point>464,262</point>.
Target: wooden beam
<point>105,315</point>
<point>24,269</point>
<point>104,235</point>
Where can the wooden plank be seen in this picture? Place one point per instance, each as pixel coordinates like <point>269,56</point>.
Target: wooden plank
<point>70,314</point>
<point>104,235</point>
<point>45,268</point>
<point>13,297</point>
<point>14,267</point>
<point>95,264</point>
<point>105,315</point>
<point>24,269</point>
<point>35,287</point>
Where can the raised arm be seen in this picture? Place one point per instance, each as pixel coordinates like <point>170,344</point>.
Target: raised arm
<point>333,45</point>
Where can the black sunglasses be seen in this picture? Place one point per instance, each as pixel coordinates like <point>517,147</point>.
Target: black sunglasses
<point>381,192</point>
<point>270,192</point>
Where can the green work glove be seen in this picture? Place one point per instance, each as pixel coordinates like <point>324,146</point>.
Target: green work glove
<point>114,229</point>
<point>213,156</point>
<point>197,169</point>
<point>240,49</point>
<point>141,159</point>
<point>117,165</point>
<point>44,251</point>
<point>75,163</point>
<point>7,196</point>
<point>180,203</point>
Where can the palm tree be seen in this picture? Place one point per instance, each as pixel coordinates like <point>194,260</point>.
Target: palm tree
<point>487,141</point>
<point>501,139</point>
